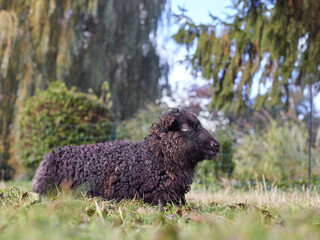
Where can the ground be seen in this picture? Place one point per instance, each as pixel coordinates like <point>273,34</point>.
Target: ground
<point>224,214</point>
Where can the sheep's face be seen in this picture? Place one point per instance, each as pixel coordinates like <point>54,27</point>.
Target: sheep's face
<point>184,139</point>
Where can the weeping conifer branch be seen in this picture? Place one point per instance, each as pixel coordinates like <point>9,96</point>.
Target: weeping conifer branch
<point>277,39</point>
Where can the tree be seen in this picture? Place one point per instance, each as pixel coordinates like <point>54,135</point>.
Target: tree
<point>82,43</point>
<point>274,42</point>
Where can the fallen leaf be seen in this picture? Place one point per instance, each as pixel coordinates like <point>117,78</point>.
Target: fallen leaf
<point>24,195</point>
<point>214,204</point>
<point>244,206</point>
<point>200,218</point>
<point>141,210</point>
<point>30,198</point>
<point>90,211</point>
<point>195,218</point>
<point>182,211</point>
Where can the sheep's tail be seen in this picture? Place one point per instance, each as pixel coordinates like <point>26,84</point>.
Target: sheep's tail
<point>45,174</point>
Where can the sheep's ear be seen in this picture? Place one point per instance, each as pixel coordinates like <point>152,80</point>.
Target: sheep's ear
<point>167,122</point>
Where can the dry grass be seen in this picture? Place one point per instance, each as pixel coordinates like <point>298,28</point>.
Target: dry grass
<point>272,198</point>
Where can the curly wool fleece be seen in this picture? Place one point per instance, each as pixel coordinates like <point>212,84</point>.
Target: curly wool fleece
<point>158,169</point>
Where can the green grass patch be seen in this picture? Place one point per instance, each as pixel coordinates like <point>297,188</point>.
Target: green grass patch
<point>224,214</point>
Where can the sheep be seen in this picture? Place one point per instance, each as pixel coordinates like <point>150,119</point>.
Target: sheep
<point>157,170</point>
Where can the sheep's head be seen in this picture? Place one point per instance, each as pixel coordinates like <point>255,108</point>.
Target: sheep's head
<point>183,139</point>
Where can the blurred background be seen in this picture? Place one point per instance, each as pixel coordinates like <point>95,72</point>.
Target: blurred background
<point>78,72</point>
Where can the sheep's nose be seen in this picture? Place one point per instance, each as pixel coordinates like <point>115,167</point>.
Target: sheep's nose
<point>214,144</point>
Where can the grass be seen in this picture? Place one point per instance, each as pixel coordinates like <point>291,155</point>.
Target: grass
<point>224,214</point>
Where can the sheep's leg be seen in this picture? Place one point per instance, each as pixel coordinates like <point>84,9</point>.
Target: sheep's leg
<point>164,198</point>
<point>45,174</point>
<point>66,184</point>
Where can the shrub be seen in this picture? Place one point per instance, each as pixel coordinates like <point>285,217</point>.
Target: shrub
<point>279,152</point>
<point>59,117</point>
<point>224,164</point>
<point>138,126</point>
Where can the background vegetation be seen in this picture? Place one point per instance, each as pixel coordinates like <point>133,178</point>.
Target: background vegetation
<point>275,43</point>
<point>81,43</point>
<point>59,117</point>
<point>79,72</point>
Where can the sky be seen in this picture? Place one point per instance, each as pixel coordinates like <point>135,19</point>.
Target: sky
<point>180,76</point>
<point>198,10</point>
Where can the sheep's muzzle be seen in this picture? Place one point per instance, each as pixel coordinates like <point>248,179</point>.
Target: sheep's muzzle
<point>210,146</point>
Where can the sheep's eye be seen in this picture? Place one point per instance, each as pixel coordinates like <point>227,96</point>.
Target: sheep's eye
<point>185,128</point>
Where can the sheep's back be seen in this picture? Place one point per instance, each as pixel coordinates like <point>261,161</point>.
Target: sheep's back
<point>90,164</point>
<point>135,173</point>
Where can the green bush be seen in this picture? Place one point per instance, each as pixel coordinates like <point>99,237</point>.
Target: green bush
<point>59,117</point>
<point>224,163</point>
<point>138,126</point>
<point>279,153</point>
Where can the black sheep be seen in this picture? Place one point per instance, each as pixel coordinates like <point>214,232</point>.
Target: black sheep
<point>158,169</point>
